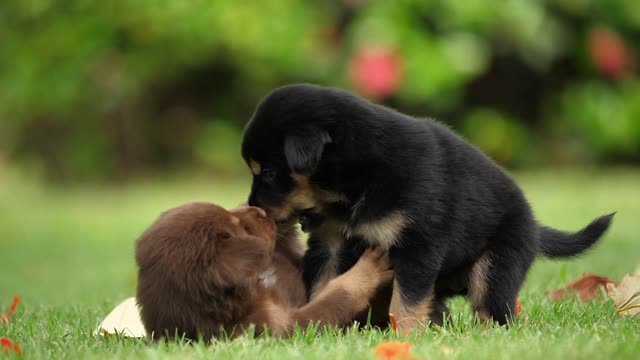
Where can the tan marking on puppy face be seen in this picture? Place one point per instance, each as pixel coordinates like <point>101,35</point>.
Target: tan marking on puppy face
<point>409,316</point>
<point>256,169</point>
<point>304,196</point>
<point>384,232</point>
<point>478,285</point>
<point>307,191</point>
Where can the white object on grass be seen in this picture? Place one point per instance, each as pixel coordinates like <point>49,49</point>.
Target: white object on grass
<point>124,320</point>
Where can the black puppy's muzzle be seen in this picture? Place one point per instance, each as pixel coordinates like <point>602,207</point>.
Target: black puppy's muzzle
<point>252,200</point>
<point>310,220</point>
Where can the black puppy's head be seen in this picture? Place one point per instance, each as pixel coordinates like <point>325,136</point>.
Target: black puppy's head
<point>283,144</point>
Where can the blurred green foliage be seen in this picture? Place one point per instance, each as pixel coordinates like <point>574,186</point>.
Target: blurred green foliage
<point>107,89</point>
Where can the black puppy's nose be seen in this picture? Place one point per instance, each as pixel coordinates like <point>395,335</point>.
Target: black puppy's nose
<point>252,200</point>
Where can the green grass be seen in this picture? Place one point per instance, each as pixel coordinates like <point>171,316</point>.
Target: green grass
<point>69,254</point>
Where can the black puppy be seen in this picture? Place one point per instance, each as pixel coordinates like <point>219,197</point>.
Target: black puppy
<point>357,173</point>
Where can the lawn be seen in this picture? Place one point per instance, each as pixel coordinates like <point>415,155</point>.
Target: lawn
<point>68,252</point>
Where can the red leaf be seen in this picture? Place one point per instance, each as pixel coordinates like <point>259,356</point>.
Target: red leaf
<point>14,305</point>
<point>8,346</point>
<point>518,307</point>
<point>394,322</point>
<point>4,318</point>
<point>586,288</point>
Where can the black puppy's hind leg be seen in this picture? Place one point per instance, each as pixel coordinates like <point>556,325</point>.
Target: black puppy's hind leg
<point>497,276</point>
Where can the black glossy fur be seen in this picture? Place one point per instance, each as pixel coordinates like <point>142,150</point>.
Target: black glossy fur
<point>459,204</point>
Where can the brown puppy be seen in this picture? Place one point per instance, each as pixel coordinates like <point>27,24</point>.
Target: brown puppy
<point>205,271</point>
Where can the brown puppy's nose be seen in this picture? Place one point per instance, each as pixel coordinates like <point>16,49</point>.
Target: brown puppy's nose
<point>260,212</point>
<point>256,211</point>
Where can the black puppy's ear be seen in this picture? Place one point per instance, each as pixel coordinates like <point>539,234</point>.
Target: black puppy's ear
<point>303,148</point>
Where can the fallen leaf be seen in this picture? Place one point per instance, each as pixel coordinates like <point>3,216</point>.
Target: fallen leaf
<point>8,346</point>
<point>626,295</point>
<point>123,320</point>
<point>394,350</point>
<point>518,306</point>
<point>4,318</point>
<point>394,322</point>
<point>586,288</point>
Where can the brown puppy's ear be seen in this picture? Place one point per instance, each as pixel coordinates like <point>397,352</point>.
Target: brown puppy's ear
<point>239,259</point>
<point>303,147</point>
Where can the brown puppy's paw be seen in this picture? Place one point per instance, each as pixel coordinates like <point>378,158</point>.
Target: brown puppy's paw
<point>373,267</point>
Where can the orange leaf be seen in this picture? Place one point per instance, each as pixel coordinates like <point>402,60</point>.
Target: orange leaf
<point>4,318</point>
<point>518,307</point>
<point>394,322</point>
<point>8,346</point>
<point>586,288</point>
<point>393,350</point>
<point>14,305</point>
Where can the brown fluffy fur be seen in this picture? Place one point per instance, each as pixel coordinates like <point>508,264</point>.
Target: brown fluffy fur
<point>205,271</point>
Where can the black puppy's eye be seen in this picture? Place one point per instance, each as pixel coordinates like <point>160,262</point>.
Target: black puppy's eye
<point>268,175</point>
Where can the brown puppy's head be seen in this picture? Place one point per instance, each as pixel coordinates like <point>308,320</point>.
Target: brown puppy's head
<point>284,144</point>
<point>198,267</point>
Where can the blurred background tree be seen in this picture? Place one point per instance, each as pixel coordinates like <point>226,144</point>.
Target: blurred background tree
<point>103,90</point>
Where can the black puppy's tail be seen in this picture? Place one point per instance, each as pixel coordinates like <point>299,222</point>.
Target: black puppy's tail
<point>556,243</point>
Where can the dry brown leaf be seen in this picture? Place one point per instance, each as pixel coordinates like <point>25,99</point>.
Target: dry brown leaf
<point>586,288</point>
<point>626,295</point>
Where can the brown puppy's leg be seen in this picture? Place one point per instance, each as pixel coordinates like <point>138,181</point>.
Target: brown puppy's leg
<point>348,294</point>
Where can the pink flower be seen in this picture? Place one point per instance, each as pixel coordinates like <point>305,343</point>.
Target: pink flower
<point>376,71</point>
<point>609,52</point>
